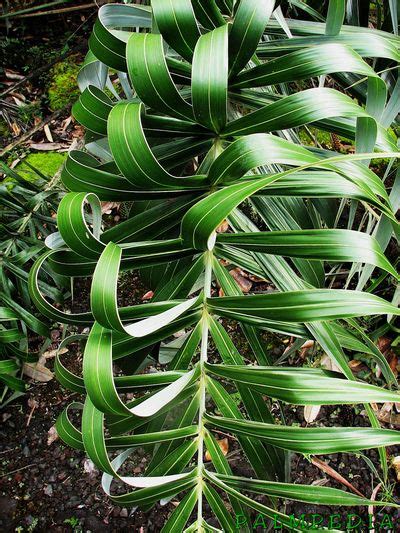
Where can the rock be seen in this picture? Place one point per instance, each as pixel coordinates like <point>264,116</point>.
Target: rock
<point>73,501</point>
<point>124,513</point>
<point>48,490</point>
<point>29,519</point>
<point>89,468</point>
<point>52,435</point>
<point>26,451</point>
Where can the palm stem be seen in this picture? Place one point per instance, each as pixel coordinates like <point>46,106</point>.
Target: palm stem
<point>208,257</point>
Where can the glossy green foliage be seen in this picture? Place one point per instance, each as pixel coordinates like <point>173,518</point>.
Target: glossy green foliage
<point>192,111</point>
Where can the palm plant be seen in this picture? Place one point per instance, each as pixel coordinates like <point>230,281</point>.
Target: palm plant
<point>202,126</point>
<point>26,210</point>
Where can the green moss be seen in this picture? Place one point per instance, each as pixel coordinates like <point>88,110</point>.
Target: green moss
<point>323,137</point>
<point>4,131</point>
<point>63,88</point>
<point>46,162</point>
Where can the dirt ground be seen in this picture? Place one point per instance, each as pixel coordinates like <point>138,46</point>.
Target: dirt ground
<point>45,485</point>
<point>52,487</point>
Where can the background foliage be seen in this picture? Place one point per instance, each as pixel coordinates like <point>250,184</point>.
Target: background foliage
<point>27,206</point>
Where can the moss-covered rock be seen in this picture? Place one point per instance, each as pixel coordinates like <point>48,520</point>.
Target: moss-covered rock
<point>63,88</point>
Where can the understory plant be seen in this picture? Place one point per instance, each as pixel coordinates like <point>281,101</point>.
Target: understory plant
<point>26,209</point>
<point>193,112</point>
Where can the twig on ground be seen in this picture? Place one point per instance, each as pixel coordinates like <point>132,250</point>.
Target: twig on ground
<point>17,470</point>
<point>60,10</point>
<point>335,475</point>
<point>31,132</point>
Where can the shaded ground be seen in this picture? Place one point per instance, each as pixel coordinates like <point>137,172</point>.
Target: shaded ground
<point>46,485</point>
<point>49,486</point>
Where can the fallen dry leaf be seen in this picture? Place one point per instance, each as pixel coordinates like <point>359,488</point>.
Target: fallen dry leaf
<point>384,343</point>
<point>311,412</point>
<point>335,475</point>
<point>305,348</point>
<point>20,96</point>
<point>89,467</point>
<point>396,466</point>
<point>371,508</point>
<point>328,364</point>
<point>52,353</point>
<point>12,75</point>
<point>15,162</point>
<point>38,372</point>
<point>356,365</point>
<point>320,482</point>
<point>19,101</point>
<point>16,129</point>
<point>148,295</point>
<point>387,407</point>
<point>78,132</point>
<point>257,279</point>
<point>66,123</point>
<point>107,207</point>
<point>388,417</point>
<point>46,147</point>
<point>52,435</point>
<point>48,134</point>
<point>223,227</point>
<point>224,446</point>
<point>33,404</point>
<point>393,362</point>
<point>179,333</point>
<point>241,279</point>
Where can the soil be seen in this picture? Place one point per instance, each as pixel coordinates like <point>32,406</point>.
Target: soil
<point>48,486</point>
